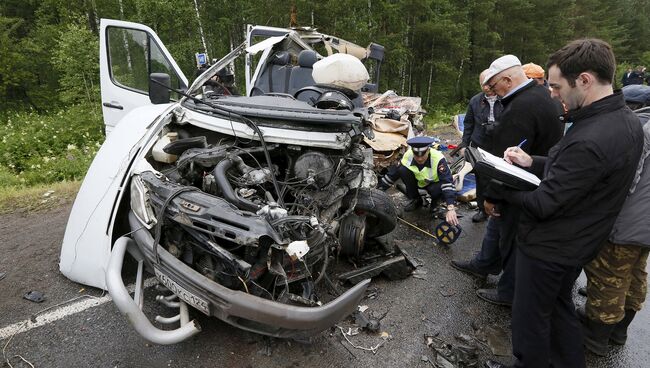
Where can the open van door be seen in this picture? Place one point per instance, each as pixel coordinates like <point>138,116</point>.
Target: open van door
<point>128,54</point>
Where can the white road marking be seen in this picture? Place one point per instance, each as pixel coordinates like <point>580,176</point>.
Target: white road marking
<point>63,311</point>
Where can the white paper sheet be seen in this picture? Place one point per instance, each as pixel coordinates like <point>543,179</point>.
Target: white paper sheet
<point>500,164</point>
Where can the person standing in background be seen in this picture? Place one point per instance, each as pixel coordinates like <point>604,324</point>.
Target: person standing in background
<point>535,72</point>
<point>617,277</point>
<point>637,76</point>
<point>483,110</point>
<point>626,77</point>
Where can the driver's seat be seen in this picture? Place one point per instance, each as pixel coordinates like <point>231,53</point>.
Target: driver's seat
<point>301,75</point>
<point>276,75</point>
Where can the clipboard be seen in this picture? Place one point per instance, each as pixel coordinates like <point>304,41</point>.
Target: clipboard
<point>497,168</point>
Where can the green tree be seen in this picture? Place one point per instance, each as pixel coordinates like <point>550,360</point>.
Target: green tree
<point>635,19</point>
<point>76,59</point>
<point>434,48</point>
<point>176,25</point>
<point>13,69</point>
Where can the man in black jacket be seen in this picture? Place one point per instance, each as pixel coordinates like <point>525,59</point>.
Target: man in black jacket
<point>566,219</point>
<point>625,80</point>
<point>637,76</point>
<point>483,111</point>
<point>531,116</point>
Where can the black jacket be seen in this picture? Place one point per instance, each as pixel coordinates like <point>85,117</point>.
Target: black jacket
<point>476,128</point>
<point>530,113</point>
<point>635,78</point>
<point>586,177</point>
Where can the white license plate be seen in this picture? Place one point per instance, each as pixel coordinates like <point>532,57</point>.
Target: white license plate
<point>189,298</point>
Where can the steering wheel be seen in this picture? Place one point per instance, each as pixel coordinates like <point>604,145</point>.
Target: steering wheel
<point>308,89</point>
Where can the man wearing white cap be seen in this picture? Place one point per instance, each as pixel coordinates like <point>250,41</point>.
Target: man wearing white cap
<point>530,119</point>
<point>530,116</point>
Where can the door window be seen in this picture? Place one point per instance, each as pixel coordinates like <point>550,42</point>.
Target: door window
<point>133,55</point>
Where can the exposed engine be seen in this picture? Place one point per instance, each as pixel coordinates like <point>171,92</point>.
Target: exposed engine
<point>268,230</point>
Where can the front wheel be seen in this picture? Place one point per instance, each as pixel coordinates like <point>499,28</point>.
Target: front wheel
<point>352,234</point>
<point>377,207</point>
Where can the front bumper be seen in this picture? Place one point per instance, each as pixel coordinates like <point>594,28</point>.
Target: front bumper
<point>243,310</point>
<point>132,308</point>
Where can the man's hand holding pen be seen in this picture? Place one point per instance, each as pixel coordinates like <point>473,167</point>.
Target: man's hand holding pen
<point>515,155</point>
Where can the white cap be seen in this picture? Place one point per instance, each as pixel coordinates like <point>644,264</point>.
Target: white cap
<point>499,65</point>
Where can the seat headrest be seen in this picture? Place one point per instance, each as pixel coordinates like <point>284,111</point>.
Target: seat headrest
<point>280,58</point>
<point>307,58</point>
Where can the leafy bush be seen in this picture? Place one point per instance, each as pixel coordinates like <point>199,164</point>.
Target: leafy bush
<point>8,178</point>
<point>48,148</point>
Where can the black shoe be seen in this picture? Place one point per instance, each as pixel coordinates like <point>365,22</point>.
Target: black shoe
<point>413,205</point>
<point>492,296</point>
<point>479,216</point>
<point>619,335</point>
<point>494,364</point>
<point>596,336</point>
<point>582,291</point>
<point>466,266</point>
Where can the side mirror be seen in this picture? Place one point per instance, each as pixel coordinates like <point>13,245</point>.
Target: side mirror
<point>159,88</point>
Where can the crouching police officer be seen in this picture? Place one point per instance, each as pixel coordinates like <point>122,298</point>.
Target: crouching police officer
<point>423,167</point>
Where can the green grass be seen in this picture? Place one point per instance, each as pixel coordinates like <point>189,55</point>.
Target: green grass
<point>39,197</point>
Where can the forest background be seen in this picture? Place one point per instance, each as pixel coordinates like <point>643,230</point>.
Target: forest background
<point>50,116</point>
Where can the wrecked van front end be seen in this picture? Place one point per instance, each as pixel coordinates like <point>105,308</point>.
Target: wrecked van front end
<point>248,242</point>
<point>238,205</point>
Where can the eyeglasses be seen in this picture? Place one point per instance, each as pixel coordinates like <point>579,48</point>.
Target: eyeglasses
<point>491,86</point>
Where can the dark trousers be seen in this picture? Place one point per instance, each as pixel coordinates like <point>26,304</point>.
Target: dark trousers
<point>408,178</point>
<point>498,250</point>
<point>506,284</point>
<point>545,328</point>
<point>481,183</point>
<point>507,250</point>
<point>480,188</point>
<point>488,259</point>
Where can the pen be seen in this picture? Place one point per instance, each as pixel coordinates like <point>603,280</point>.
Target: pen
<point>522,143</point>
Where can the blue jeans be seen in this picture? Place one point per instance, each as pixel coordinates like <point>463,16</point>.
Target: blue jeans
<point>498,252</point>
<point>488,259</point>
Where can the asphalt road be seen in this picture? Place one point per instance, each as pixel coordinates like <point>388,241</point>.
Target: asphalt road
<point>440,300</point>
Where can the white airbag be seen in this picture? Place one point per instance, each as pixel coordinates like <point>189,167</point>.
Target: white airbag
<point>341,70</point>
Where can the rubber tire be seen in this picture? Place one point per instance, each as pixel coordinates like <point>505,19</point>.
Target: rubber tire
<point>352,234</point>
<point>377,206</point>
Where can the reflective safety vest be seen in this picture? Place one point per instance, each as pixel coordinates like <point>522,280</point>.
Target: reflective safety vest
<point>427,174</point>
